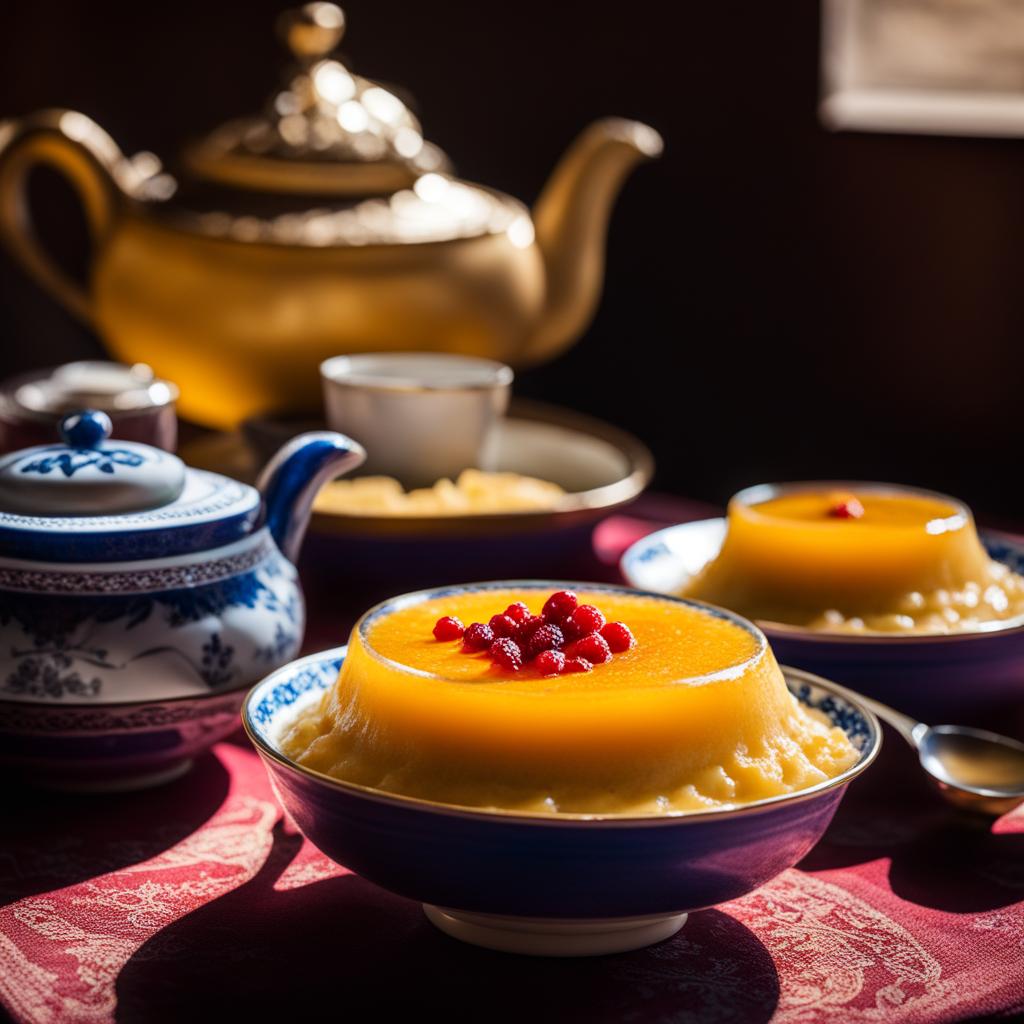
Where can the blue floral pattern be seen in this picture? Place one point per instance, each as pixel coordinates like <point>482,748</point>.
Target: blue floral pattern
<point>57,644</point>
<point>652,553</point>
<point>70,461</point>
<point>216,667</point>
<point>319,673</point>
<point>839,712</point>
<point>40,677</point>
<point>276,651</point>
<point>1004,550</point>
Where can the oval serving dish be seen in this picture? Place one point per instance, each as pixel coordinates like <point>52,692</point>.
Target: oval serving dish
<point>951,674</point>
<point>549,885</point>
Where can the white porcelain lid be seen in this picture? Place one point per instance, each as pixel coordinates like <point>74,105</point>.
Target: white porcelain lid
<point>87,474</point>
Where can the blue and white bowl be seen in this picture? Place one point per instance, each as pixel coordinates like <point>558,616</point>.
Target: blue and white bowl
<point>551,885</point>
<point>954,675</point>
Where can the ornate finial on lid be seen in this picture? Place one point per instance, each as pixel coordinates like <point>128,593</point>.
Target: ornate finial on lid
<point>327,132</point>
<point>313,30</point>
<point>86,429</point>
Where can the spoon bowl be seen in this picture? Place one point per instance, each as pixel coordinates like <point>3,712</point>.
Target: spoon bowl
<point>973,769</point>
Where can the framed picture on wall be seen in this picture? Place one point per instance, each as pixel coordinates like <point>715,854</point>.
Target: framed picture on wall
<point>941,67</point>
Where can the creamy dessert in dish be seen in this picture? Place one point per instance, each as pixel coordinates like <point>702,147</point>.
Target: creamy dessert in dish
<point>474,491</point>
<point>597,702</point>
<point>860,559</point>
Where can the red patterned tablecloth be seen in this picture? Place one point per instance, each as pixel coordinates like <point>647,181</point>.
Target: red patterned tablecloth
<point>199,901</point>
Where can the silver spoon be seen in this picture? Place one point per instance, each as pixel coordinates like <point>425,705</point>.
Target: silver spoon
<point>974,769</point>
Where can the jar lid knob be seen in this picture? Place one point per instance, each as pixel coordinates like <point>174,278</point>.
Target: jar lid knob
<point>85,430</point>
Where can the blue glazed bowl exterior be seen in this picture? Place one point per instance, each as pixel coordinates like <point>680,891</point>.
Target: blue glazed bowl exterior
<point>956,677</point>
<point>952,678</point>
<point>541,865</point>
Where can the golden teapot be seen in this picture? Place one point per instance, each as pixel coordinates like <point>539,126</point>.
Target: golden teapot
<point>326,225</point>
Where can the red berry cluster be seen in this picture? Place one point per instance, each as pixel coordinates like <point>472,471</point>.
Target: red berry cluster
<point>566,637</point>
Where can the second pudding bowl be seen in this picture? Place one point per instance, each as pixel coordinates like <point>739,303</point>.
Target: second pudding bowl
<point>968,673</point>
<point>539,881</point>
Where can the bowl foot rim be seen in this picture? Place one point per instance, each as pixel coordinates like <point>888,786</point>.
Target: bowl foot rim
<point>561,937</point>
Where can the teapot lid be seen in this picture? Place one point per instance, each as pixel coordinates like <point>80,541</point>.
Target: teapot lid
<point>327,132</point>
<point>87,475</point>
<point>93,499</point>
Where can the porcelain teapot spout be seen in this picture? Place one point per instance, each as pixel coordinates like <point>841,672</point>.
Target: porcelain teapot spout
<point>571,221</point>
<point>292,478</point>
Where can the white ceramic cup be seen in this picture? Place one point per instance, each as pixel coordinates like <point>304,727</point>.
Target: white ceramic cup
<point>420,416</point>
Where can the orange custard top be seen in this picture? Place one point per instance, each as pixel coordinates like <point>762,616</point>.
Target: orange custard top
<point>696,715</point>
<point>675,643</point>
<point>878,510</point>
<point>883,559</point>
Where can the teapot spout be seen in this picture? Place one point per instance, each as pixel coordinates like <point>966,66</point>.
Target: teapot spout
<point>571,222</point>
<point>291,479</point>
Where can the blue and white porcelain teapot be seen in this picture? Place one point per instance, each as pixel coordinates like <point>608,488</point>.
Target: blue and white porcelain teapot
<point>126,576</point>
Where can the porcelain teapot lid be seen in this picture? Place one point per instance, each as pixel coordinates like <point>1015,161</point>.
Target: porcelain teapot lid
<point>327,132</point>
<point>86,474</point>
<point>90,498</point>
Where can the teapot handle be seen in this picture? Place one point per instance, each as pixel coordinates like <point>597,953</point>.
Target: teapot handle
<point>88,158</point>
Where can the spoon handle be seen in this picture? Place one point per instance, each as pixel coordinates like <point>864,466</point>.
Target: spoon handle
<point>909,728</point>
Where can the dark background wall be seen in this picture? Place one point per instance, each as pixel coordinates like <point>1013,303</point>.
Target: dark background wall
<point>781,302</point>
